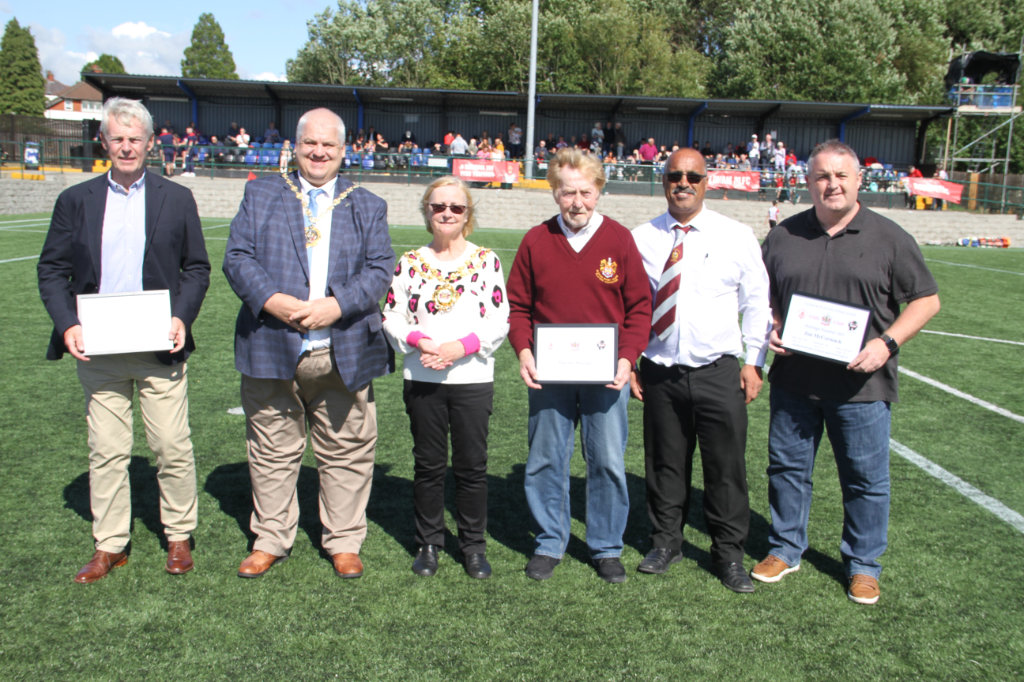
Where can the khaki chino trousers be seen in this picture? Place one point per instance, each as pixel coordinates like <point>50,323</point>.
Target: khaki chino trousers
<point>342,426</point>
<point>109,382</point>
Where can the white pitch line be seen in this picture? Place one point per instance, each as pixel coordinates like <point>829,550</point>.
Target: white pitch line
<point>24,220</point>
<point>972,338</point>
<point>961,486</point>
<point>214,227</point>
<point>15,260</point>
<point>975,267</point>
<point>960,394</point>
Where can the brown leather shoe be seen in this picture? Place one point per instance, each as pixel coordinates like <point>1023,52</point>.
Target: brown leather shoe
<point>347,565</point>
<point>257,563</point>
<point>179,557</point>
<point>100,565</point>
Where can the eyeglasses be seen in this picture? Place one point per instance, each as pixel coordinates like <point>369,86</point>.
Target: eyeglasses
<point>457,209</point>
<point>691,177</point>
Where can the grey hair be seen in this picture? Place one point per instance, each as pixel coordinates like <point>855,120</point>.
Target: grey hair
<point>833,146</point>
<point>305,119</point>
<point>124,110</point>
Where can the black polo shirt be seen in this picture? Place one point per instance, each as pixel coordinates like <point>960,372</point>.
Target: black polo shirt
<point>872,262</point>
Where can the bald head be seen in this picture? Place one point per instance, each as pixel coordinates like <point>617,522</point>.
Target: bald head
<point>685,179</point>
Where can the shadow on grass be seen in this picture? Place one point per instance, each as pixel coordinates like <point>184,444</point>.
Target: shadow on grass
<point>145,496</point>
<point>229,484</point>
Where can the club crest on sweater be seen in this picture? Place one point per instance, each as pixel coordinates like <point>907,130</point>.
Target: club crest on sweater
<point>608,271</point>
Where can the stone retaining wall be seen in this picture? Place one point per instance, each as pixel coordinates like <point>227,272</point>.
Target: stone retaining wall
<point>522,208</point>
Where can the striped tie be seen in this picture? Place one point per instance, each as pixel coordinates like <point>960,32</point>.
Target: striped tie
<point>665,302</point>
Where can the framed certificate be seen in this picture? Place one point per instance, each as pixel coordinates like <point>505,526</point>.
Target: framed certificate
<point>576,353</point>
<point>824,328</point>
<point>125,323</point>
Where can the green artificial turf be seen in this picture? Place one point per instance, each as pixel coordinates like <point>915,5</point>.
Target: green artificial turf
<point>951,604</point>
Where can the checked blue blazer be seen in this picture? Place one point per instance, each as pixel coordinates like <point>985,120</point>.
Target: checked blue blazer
<point>266,254</point>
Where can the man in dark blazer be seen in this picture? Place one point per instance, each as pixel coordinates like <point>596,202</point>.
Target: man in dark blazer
<point>310,256</point>
<point>126,232</point>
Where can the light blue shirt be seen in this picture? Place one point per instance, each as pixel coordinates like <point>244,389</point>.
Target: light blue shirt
<point>318,258</point>
<point>124,237</point>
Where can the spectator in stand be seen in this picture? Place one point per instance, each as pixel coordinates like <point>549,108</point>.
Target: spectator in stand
<point>449,138</point>
<point>380,143</point>
<point>662,154</point>
<point>790,159</point>
<point>648,152</point>
<point>498,149</point>
<point>540,152</point>
<point>166,139</point>
<point>620,140</point>
<point>243,138</point>
<point>216,150</point>
<point>608,138</point>
<point>708,153</point>
<point>272,134</point>
<point>458,146</point>
<point>189,143</point>
<point>754,152</point>
<point>779,156</point>
<point>286,156</point>
<point>915,172</point>
<point>408,136</point>
<point>766,150</point>
<point>744,163</point>
<point>484,150</point>
<point>231,138</point>
<point>597,139</point>
<point>561,144</point>
<point>473,148</point>
<point>578,267</point>
<point>515,140</point>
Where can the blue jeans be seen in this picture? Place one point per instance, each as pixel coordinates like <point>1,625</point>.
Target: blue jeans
<point>859,433</point>
<point>554,412</point>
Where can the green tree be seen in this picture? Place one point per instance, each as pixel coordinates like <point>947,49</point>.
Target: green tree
<point>22,87</point>
<point>105,63</point>
<point>208,56</point>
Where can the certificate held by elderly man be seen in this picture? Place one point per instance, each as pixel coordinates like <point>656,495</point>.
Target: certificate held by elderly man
<point>125,323</point>
<point>824,328</point>
<point>576,353</point>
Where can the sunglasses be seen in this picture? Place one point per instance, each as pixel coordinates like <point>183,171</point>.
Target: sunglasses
<point>691,177</point>
<point>457,209</point>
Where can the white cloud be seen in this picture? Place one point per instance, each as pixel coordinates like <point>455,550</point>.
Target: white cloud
<point>267,76</point>
<point>54,55</point>
<point>143,49</point>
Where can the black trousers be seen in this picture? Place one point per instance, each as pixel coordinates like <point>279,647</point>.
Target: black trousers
<point>683,408</point>
<point>464,410</point>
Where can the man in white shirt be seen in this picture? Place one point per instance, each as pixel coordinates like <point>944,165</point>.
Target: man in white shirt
<point>703,269</point>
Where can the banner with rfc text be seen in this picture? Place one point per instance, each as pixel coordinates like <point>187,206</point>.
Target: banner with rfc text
<point>936,189</point>
<point>472,170</point>
<point>743,181</point>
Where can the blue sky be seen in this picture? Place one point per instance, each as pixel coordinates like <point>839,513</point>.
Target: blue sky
<point>150,37</point>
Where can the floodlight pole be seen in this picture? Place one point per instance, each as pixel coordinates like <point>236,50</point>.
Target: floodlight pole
<point>532,95</point>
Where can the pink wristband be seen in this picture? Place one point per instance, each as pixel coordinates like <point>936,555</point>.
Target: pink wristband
<point>415,337</point>
<point>471,343</point>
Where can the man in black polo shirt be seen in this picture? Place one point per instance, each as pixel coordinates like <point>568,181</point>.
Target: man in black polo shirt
<point>843,251</point>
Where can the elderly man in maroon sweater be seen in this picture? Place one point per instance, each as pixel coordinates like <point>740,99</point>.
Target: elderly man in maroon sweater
<point>578,267</point>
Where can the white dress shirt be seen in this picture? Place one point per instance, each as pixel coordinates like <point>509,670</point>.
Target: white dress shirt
<point>123,244</point>
<point>723,276</point>
<point>579,238</point>
<point>319,256</point>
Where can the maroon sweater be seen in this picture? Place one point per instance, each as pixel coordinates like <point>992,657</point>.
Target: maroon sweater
<point>605,283</point>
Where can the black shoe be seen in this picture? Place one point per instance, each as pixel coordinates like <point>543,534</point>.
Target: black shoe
<point>610,569</point>
<point>541,567</point>
<point>477,566</point>
<point>659,559</point>
<point>734,577</point>
<point>426,561</point>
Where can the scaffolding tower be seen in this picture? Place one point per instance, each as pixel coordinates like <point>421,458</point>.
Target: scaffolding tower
<point>997,107</point>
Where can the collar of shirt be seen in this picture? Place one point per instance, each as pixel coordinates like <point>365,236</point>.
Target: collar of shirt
<point>699,222</point>
<point>327,187</point>
<point>118,188</point>
<point>584,232</point>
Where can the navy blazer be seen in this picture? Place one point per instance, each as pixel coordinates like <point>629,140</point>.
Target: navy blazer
<point>266,254</point>
<point>174,258</point>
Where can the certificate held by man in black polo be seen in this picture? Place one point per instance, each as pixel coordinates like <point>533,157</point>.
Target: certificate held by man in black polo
<point>824,328</point>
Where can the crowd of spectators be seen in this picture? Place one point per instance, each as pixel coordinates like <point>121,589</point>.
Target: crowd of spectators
<point>636,158</point>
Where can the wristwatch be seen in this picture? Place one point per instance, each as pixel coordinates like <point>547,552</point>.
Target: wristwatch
<point>891,344</point>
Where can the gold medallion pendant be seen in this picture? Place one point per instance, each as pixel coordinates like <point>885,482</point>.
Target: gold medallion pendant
<point>312,236</point>
<point>445,296</point>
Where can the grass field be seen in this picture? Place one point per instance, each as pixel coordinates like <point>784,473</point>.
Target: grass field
<point>952,603</point>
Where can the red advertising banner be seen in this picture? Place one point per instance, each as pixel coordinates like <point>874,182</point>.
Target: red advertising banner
<point>934,188</point>
<point>744,181</point>
<point>473,170</point>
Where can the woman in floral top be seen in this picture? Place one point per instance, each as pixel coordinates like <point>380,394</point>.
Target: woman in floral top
<point>446,312</point>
